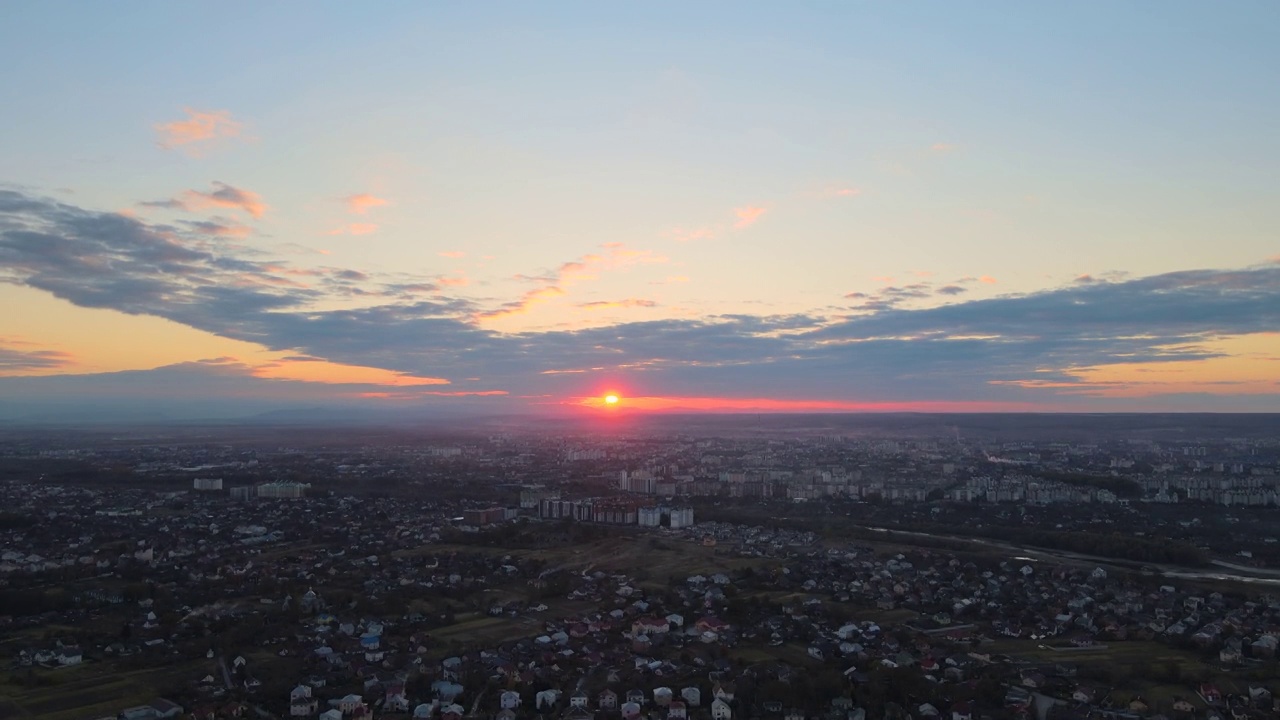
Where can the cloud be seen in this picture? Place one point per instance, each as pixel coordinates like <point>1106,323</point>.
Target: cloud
<point>17,357</point>
<point>361,203</point>
<point>987,280</point>
<point>525,302</point>
<point>942,147</point>
<point>222,196</point>
<point>613,304</point>
<point>890,296</point>
<point>219,227</point>
<point>890,350</point>
<point>452,254</point>
<point>200,129</point>
<point>748,216</point>
<point>617,256</point>
<point>319,370</point>
<point>952,290</point>
<point>694,234</point>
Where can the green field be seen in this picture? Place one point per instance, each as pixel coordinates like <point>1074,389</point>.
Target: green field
<point>91,689</point>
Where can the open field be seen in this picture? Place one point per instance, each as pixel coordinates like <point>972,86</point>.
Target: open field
<point>791,653</point>
<point>1130,652</point>
<point>92,689</point>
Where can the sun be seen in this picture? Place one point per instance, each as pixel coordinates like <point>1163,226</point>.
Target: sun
<point>610,399</point>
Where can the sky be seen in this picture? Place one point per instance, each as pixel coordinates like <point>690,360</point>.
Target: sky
<point>214,209</point>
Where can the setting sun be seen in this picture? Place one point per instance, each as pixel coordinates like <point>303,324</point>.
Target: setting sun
<point>610,399</point>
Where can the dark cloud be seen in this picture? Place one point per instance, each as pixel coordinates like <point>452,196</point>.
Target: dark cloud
<point>888,350</point>
<point>16,359</point>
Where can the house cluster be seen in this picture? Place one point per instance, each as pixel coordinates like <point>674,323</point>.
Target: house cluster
<point>1065,605</point>
<point>345,604</point>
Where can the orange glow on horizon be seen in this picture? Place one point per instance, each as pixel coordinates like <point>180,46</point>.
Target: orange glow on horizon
<point>610,399</point>
<point>725,404</point>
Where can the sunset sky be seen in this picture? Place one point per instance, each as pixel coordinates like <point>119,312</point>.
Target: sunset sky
<point>213,209</point>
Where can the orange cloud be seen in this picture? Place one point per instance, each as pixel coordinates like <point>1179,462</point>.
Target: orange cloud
<point>459,281</point>
<point>988,280</point>
<point>587,267</point>
<point>842,192</point>
<point>523,305</point>
<point>942,147</point>
<point>686,235</point>
<point>199,128</point>
<point>747,216</point>
<point>452,254</point>
<point>360,204</point>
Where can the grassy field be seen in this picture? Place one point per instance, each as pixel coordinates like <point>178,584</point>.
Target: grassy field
<point>791,653</point>
<point>92,689</point>
<point>1138,661</point>
<point>643,554</point>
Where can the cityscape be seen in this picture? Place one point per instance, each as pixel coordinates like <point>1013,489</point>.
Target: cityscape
<point>842,568</point>
<point>724,360</point>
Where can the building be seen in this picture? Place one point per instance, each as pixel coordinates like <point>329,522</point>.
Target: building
<point>650,517</point>
<point>207,484</point>
<point>244,492</point>
<point>283,490</point>
<point>532,495</point>
<point>681,518</point>
<point>487,516</point>
<point>638,482</point>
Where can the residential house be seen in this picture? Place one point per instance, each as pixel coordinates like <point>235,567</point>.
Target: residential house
<point>720,710</point>
<point>692,696</point>
<point>395,700</point>
<point>301,703</point>
<point>1209,693</point>
<point>546,699</point>
<point>348,704</point>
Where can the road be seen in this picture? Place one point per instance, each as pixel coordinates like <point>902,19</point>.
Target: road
<point>1164,570</point>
